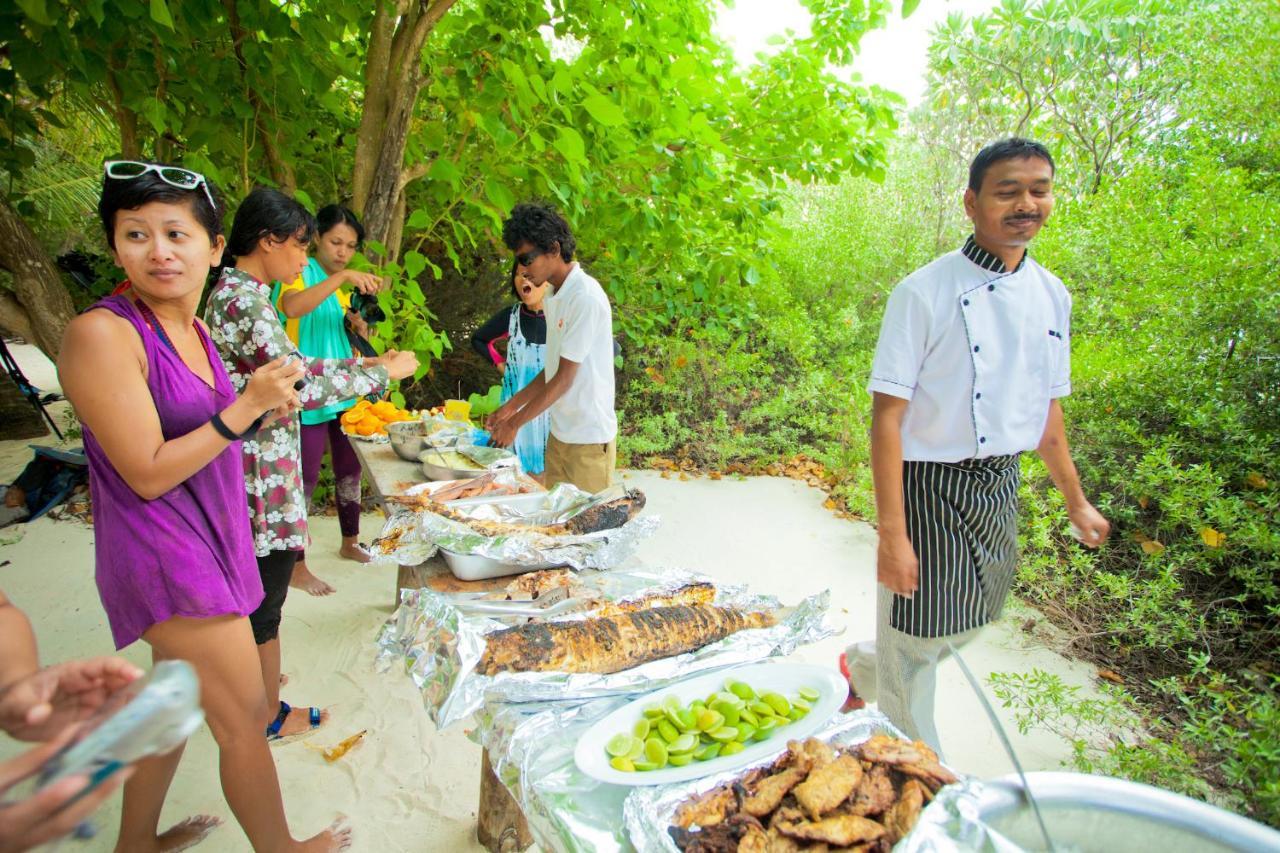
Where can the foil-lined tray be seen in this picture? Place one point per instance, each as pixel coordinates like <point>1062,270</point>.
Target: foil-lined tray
<point>531,750</point>
<point>412,536</point>
<point>439,646</point>
<point>649,812</point>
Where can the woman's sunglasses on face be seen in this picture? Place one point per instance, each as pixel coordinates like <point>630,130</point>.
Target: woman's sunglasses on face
<point>183,179</point>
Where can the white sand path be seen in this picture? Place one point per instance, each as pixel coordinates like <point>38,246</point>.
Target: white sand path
<point>411,788</point>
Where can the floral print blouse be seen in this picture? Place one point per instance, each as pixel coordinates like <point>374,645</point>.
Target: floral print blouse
<point>247,330</point>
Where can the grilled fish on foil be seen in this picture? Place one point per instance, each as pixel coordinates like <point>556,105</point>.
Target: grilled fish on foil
<point>613,643</point>
<point>606,516</point>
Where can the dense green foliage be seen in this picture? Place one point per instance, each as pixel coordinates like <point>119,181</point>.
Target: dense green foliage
<point>634,120</point>
<point>1169,247</point>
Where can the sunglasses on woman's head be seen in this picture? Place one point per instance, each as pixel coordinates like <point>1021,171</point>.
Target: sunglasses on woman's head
<point>183,179</point>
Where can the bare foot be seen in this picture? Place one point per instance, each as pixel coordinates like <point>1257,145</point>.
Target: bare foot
<point>333,840</point>
<point>184,835</point>
<point>353,552</point>
<point>299,721</point>
<point>303,579</point>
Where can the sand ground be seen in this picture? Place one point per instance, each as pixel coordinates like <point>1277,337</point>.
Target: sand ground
<point>409,787</point>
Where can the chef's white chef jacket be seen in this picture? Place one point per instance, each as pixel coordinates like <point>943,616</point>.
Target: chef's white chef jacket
<point>978,350</point>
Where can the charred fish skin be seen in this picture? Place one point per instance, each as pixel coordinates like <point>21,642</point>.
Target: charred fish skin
<point>609,516</point>
<point>613,643</point>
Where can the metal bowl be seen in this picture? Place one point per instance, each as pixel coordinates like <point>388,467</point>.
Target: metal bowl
<point>407,439</point>
<point>1085,812</point>
<point>433,467</point>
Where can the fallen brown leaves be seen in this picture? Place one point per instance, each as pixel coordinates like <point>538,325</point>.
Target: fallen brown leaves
<point>799,467</point>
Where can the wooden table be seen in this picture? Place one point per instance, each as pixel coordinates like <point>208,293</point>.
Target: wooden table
<point>500,824</point>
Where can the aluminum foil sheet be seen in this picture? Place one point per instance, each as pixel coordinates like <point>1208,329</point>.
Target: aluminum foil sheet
<point>439,431</point>
<point>952,823</point>
<point>439,647</point>
<point>411,536</point>
<point>648,811</point>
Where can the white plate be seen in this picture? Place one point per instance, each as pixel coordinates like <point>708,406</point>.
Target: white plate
<point>779,677</point>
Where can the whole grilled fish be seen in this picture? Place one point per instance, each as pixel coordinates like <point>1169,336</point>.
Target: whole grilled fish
<point>607,516</point>
<point>613,643</point>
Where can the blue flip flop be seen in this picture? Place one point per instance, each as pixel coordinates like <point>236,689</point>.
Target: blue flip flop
<point>273,730</point>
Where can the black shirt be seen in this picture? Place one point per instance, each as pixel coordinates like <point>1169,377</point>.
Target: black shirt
<point>533,325</point>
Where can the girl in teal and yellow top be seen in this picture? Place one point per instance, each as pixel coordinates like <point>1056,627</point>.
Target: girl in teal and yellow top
<point>315,310</point>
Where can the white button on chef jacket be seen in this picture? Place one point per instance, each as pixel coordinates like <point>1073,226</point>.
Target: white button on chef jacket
<point>978,353</point>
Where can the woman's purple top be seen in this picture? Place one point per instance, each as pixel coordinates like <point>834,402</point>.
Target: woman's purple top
<point>188,552</point>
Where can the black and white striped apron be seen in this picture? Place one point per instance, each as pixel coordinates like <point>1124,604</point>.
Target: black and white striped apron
<point>962,522</point>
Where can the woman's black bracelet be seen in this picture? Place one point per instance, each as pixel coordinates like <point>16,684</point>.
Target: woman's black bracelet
<point>225,431</point>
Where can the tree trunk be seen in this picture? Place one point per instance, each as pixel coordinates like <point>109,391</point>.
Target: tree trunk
<point>37,284</point>
<point>373,115</point>
<point>14,319</point>
<point>393,79</point>
<point>280,168</point>
<point>126,120</point>
<point>384,189</point>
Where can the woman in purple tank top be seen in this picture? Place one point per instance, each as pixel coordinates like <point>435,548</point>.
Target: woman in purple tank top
<point>174,553</point>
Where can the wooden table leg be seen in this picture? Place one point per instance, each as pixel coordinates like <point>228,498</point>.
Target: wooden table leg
<point>412,577</point>
<point>500,825</point>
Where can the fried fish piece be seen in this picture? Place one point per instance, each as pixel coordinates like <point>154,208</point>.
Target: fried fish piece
<point>612,643</point>
<point>707,810</point>
<point>779,843</point>
<point>768,793</point>
<point>755,840</point>
<point>925,750</point>
<point>841,830</point>
<point>829,785</point>
<point>817,751</point>
<point>931,773</point>
<point>714,839</point>
<point>901,816</point>
<point>908,758</point>
<point>875,792</point>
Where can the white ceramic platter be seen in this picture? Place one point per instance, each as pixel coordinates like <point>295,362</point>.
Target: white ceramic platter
<point>778,676</point>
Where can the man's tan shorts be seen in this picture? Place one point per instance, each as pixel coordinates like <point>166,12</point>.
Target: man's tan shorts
<point>587,466</point>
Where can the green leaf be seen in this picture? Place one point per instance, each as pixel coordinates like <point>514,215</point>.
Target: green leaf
<point>305,198</point>
<point>36,11</point>
<point>418,219</point>
<point>488,403</point>
<point>160,13</point>
<point>604,111</point>
<point>570,144</point>
<point>751,275</point>
<point>414,264</point>
<point>497,192</point>
<point>153,111</point>
<point>444,170</point>
<point>685,66</point>
<point>909,6</point>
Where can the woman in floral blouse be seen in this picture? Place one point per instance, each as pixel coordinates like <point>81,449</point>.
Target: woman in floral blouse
<point>268,243</point>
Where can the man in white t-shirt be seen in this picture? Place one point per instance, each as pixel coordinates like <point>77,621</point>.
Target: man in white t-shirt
<point>577,383</point>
